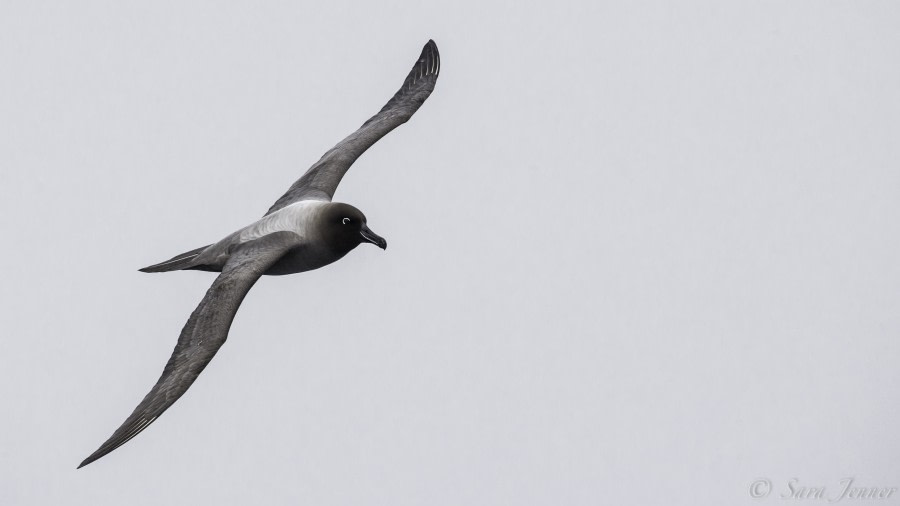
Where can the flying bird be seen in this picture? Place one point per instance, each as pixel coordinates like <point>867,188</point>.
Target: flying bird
<point>303,230</point>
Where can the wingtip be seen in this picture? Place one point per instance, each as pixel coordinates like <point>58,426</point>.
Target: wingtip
<point>97,455</point>
<point>431,44</point>
<point>92,458</point>
<point>430,59</point>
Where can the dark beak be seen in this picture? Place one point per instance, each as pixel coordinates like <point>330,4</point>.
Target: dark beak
<point>372,237</point>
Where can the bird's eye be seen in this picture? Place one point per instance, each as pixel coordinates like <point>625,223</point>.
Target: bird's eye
<point>345,221</point>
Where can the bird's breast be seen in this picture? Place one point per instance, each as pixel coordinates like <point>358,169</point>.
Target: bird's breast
<point>302,259</point>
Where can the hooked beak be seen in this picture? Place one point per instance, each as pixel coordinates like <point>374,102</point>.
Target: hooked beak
<point>372,237</point>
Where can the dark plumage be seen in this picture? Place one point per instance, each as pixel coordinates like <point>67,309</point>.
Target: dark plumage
<point>303,230</point>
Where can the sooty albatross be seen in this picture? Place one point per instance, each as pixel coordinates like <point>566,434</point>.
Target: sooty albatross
<point>303,230</point>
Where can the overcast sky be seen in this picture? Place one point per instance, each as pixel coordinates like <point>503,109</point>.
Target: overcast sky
<point>640,253</point>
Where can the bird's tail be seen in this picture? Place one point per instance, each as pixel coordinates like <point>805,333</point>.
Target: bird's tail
<point>177,263</point>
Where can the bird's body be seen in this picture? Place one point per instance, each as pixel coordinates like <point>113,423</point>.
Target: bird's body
<point>303,230</point>
<point>300,218</point>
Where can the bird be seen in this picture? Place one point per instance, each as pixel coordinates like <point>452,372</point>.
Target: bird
<point>303,230</point>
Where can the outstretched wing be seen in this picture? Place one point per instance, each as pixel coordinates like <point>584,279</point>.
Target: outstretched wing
<point>203,334</point>
<point>322,179</point>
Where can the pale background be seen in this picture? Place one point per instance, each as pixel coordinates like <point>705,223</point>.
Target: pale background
<point>640,253</point>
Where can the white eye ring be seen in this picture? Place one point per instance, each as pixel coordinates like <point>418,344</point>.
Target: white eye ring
<point>345,221</point>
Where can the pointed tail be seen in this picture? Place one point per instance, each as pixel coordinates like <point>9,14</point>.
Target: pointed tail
<point>182,261</point>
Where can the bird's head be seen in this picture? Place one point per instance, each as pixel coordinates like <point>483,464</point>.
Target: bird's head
<point>344,228</point>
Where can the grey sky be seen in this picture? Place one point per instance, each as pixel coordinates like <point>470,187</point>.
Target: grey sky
<point>640,253</point>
